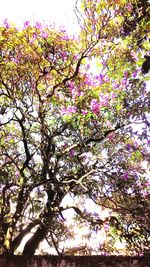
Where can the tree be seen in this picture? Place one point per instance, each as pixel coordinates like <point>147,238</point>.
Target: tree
<point>68,128</point>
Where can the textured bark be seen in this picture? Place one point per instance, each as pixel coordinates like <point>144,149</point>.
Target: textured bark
<point>74,261</point>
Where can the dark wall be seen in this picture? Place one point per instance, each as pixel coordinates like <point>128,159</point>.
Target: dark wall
<point>74,261</point>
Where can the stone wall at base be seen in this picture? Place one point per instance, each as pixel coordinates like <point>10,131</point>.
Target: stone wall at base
<point>73,261</point>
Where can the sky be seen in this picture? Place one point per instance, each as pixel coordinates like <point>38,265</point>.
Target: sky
<point>46,11</point>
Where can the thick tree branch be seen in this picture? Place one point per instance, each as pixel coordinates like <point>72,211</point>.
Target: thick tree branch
<point>92,139</point>
<point>25,143</point>
<point>33,243</point>
<point>17,241</point>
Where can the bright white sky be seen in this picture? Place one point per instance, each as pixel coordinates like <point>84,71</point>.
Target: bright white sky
<point>45,11</point>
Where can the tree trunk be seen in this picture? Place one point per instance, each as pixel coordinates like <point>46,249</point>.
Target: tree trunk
<point>33,243</point>
<point>16,242</point>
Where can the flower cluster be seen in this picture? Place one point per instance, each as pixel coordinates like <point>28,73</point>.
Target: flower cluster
<point>95,106</point>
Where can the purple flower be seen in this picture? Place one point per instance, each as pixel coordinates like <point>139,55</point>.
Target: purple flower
<point>124,82</point>
<point>71,153</point>
<point>84,112</point>
<point>136,144</point>
<point>112,95</point>
<point>26,24</point>
<point>115,85</point>
<point>64,54</point>
<point>71,109</point>
<point>71,86</point>
<point>94,105</point>
<point>125,176</point>
<point>65,37</point>
<point>88,80</point>
<point>128,147</point>
<point>34,36</point>
<point>104,63</point>
<point>102,78</point>
<point>125,74</point>
<point>6,24</point>
<point>106,226</point>
<point>106,78</point>
<point>128,7</point>
<point>44,34</point>
<point>104,99</point>
<point>17,174</point>
<point>38,25</point>
<point>134,74</point>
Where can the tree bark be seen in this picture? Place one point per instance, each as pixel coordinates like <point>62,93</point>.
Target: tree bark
<point>16,242</point>
<point>33,243</point>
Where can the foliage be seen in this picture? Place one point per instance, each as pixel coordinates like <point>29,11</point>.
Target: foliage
<point>74,122</point>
